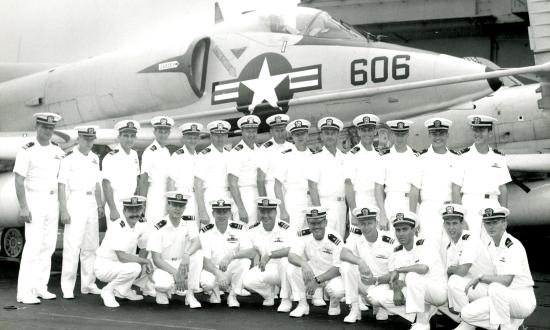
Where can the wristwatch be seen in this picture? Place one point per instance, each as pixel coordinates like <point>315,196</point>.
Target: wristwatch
<point>317,280</point>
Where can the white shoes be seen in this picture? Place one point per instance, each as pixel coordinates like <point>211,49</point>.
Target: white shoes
<point>215,298</point>
<point>465,326</point>
<point>420,326</point>
<point>149,292</point>
<point>301,310</point>
<point>334,308</point>
<point>319,302</point>
<point>245,293</point>
<point>162,298</point>
<point>108,298</point>
<point>28,299</point>
<point>91,290</point>
<point>70,296</point>
<point>232,301</point>
<point>285,306</point>
<point>269,302</point>
<point>191,301</point>
<point>46,295</point>
<point>354,314</point>
<point>382,314</point>
<point>130,295</point>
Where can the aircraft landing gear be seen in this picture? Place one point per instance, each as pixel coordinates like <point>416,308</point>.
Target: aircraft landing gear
<point>12,241</point>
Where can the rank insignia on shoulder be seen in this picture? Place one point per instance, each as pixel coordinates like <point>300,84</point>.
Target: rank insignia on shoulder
<point>283,224</point>
<point>187,217</point>
<point>68,153</point>
<point>238,147</point>
<point>314,152</point>
<point>254,225</point>
<point>160,224</point>
<point>399,248</point>
<point>180,151</point>
<point>114,152</point>
<point>508,242</point>
<point>153,148</point>
<point>207,227</point>
<point>303,232</point>
<point>421,152</point>
<point>286,151</point>
<point>28,145</point>
<point>465,237</point>
<point>55,143</point>
<point>334,239</point>
<point>227,148</point>
<point>235,225</point>
<point>205,151</point>
<point>387,239</point>
<point>355,149</point>
<point>497,152</point>
<point>384,152</point>
<point>268,144</point>
<point>420,242</point>
<point>463,151</point>
<point>355,230</point>
<point>122,224</point>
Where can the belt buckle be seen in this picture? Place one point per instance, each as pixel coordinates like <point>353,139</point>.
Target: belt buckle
<point>487,196</point>
<point>89,193</point>
<point>52,192</point>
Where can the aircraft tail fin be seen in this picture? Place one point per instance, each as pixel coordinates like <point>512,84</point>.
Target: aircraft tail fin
<point>218,16</point>
<point>10,71</point>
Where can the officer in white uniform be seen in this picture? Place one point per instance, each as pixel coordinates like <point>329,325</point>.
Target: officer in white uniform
<point>316,257</point>
<point>270,151</point>
<point>120,170</point>
<point>417,278</point>
<point>271,239</point>
<point>363,164</point>
<point>465,258</point>
<point>36,168</point>
<point>481,175</point>
<point>175,248</point>
<point>242,171</point>
<point>80,205</point>
<point>211,174</point>
<point>365,261</point>
<point>227,252</point>
<point>326,176</point>
<point>510,297</point>
<point>291,184</point>
<point>116,261</point>
<point>432,185</point>
<point>394,183</point>
<point>183,166</point>
<point>154,170</point>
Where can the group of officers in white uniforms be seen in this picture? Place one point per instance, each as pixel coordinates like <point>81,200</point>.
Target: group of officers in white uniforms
<point>273,220</point>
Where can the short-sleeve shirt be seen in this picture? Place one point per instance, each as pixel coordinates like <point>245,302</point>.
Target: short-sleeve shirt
<point>322,254</point>
<point>292,167</point>
<point>122,170</point>
<point>480,173</point>
<point>243,163</point>
<point>510,258</point>
<point>269,152</point>
<point>362,167</point>
<point>170,240</point>
<point>182,169</point>
<point>376,254</point>
<point>397,170</point>
<point>155,161</point>
<point>421,254</point>
<point>434,173</point>
<point>212,167</point>
<point>216,245</point>
<point>469,250</point>
<point>121,237</point>
<point>79,172</point>
<point>266,241</point>
<point>39,165</point>
<point>328,171</point>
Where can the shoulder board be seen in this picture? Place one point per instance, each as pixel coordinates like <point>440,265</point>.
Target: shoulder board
<point>283,224</point>
<point>463,151</point>
<point>303,232</point>
<point>465,237</point>
<point>55,143</point>
<point>422,151</point>
<point>187,217</point>
<point>238,147</point>
<point>235,225</point>
<point>254,225</point>
<point>207,227</point>
<point>420,242</point>
<point>153,148</point>
<point>268,144</point>
<point>497,152</point>
<point>454,152</point>
<point>355,149</point>
<point>355,230</point>
<point>384,152</point>
<point>28,145</point>
<point>122,224</point>
<point>68,153</point>
<point>205,151</point>
<point>114,152</point>
<point>313,152</point>
<point>227,148</point>
<point>180,151</point>
<point>387,239</point>
<point>399,248</point>
<point>160,224</point>
<point>508,242</point>
<point>416,153</point>
<point>334,239</point>
<point>286,151</point>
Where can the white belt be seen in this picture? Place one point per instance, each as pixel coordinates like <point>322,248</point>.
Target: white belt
<point>482,196</point>
<point>186,190</point>
<point>397,193</point>
<point>47,192</point>
<point>334,198</point>
<point>84,192</point>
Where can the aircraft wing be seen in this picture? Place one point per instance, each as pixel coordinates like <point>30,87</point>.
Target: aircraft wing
<point>529,162</point>
<point>539,38</point>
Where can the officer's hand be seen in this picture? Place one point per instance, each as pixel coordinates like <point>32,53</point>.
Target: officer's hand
<point>284,216</point>
<point>472,284</point>
<point>263,261</point>
<point>364,270</point>
<point>311,286</point>
<point>114,215</point>
<point>100,212</point>
<point>180,281</point>
<point>149,268</point>
<point>398,298</point>
<point>307,273</point>
<point>184,264</point>
<point>243,215</point>
<point>222,281</point>
<point>224,263</point>
<point>393,276</point>
<point>203,217</point>
<point>383,222</point>
<point>25,215</point>
<point>65,217</point>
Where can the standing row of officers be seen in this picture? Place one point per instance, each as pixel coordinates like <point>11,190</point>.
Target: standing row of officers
<point>201,220</point>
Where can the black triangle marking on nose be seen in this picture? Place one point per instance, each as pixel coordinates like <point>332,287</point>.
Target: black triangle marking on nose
<point>238,51</point>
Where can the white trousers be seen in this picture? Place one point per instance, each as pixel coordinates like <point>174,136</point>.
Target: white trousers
<point>264,282</point>
<point>296,200</point>
<point>394,203</point>
<point>473,204</point>
<point>270,186</point>
<point>248,196</point>
<point>336,214</point>
<point>334,287</point>
<point>431,225</point>
<point>164,281</point>
<point>156,203</point>
<point>118,275</point>
<point>234,274</point>
<point>503,306</point>
<point>456,295</point>
<point>40,241</point>
<point>422,296</point>
<point>80,238</point>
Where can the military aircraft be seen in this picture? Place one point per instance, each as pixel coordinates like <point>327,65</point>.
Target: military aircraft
<point>301,62</point>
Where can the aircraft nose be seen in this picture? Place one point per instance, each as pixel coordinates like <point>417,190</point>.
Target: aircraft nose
<point>494,83</point>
